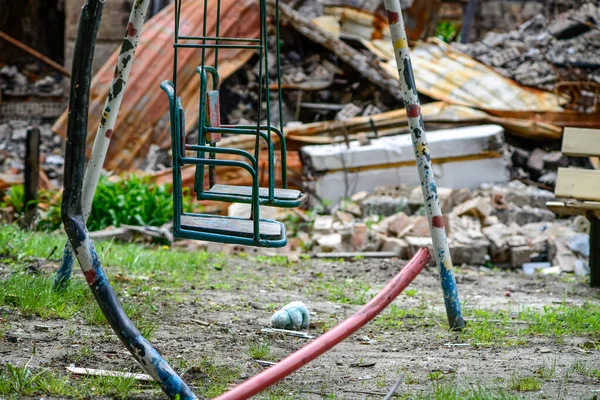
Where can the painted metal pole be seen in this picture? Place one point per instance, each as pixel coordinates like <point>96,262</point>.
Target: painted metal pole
<point>423,159</point>
<point>73,216</point>
<point>328,340</point>
<point>106,126</point>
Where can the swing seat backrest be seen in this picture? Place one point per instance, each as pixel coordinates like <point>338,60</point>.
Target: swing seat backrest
<point>213,115</point>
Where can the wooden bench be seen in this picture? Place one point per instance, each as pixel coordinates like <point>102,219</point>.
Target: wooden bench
<point>578,190</point>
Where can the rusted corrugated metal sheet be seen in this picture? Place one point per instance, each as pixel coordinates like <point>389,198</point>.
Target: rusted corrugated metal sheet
<point>144,116</point>
<point>444,73</point>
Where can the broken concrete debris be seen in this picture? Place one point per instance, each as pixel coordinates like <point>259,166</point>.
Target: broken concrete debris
<point>506,225</point>
<point>549,54</point>
<point>339,170</point>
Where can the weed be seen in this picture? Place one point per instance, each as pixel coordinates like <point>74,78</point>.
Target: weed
<point>115,386</point>
<point>213,379</point>
<point>34,295</point>
<point>584,369</point>
<point>411,292</point>
<point>547,372</point>
<point>564,320</point>
<point>435,375</point>
<point>525,383</point>
<point>258,350</point>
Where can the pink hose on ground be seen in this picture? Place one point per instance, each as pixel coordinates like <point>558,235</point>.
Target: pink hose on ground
<point>328,340</point>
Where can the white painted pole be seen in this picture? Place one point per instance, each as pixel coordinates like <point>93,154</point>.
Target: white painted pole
<point>410,96</point>
<point>107,124</point>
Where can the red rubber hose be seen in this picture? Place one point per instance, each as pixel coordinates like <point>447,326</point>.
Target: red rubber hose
<point>328,340</point>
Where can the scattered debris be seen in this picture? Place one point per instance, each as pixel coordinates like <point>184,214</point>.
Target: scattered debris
<point>101,372</point>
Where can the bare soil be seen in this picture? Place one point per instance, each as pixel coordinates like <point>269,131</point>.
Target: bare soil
<point>218,324</point>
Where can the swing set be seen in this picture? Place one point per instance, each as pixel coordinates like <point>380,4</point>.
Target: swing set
<point>80,183</point>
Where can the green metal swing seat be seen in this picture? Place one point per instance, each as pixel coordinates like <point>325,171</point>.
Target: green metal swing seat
<point>253,231</point>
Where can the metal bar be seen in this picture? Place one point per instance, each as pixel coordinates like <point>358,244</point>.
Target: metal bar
<point>222,39</point>
<point>215,46</point>
<point>282,145</point>
<point>104,132</point>
<point>73,215</point>
<point>423,159</point>
<point>333,337</point>
<point>32,175</point>
<point>35,53</point>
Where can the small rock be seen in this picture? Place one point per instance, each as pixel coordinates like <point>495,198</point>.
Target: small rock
<point>323,223</point>
<point>581,268</point>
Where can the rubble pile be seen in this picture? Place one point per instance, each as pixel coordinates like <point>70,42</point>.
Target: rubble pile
<point>317,86</point>
<point>545,54</point>
<point>540,165</point>
<point>12,151</point>
<point>505,226</point>
<point>19,83</point>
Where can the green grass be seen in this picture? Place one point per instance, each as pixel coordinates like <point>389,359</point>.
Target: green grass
<point>348,291</point>
<point>525,383</point>
<point>454,390</point>
<point>564,319</point>
<point>547,372</point>
<point>259,350</point>
<point>585,369</point>
<point>16,382</point>
<point>211,378</point>
<point>33,295</point>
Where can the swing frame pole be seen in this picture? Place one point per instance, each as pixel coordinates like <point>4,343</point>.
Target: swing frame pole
<point>104,133</point>
<point>73,215</point>
<point>433,210</point>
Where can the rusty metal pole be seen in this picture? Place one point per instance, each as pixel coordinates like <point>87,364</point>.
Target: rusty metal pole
<point>32,174</point>
<point>441,251</point>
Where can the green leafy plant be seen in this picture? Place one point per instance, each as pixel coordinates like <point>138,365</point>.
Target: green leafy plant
<point>134,201</point>
<point>447,31</point>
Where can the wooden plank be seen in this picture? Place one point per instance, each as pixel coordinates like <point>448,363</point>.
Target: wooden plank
<point>582,184</point>
<point>231,227</point>
<point>581,142</point>
<point>574,207</point>
<point>246,191</point>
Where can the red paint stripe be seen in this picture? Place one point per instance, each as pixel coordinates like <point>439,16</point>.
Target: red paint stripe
<point>108,133</point>
<point>437,221</point>
<point>413,110</point>
<point>90,276</point>
<point>393,17</point>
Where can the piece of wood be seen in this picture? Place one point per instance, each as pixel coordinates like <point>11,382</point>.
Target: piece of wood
<point>32,174</point>
<point>246,191</point>
<point>581,184</point>
<point>214,115</point>
<point>581,142</point>
<point>36,54</point>
<point>102,372</point>
<point>231,227</point>
<point>574,207</point>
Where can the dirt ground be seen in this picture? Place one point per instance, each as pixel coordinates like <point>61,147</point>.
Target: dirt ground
<point>214,324</point>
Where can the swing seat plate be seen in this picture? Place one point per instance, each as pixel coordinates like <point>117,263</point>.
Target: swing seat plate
<point>235,227</point>
<point>284,195</point>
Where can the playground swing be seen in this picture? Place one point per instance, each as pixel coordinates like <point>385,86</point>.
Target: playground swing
<point>253,231</point>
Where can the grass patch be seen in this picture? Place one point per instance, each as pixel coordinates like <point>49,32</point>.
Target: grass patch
<point>348,291</point>
<point>525,383</point>
<point>456,391</point>
<point>211,378</point>
<point>259,350</point>
<point>33,295</point>
<point>547,372</point>
<point>564,320</point>
<point>584,369</point>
